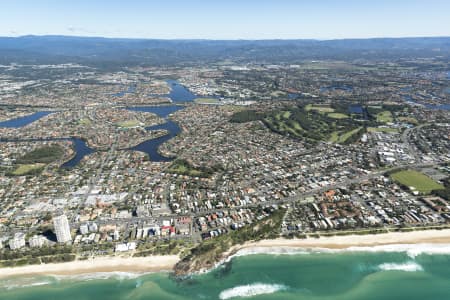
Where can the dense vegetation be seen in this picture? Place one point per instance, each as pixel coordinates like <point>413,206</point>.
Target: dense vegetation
<point>46,154</point>
<point>210,252</point>
<point>309,122</point>
<point>115,53</point>
<point>183,167</point>
<point>445,192</point>
<point>34,162</point>
<point>36,256</point>
<point>246,116</point>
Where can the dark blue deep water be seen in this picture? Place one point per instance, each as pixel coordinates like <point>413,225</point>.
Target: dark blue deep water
<point>81,150</point>
<point>23,121</point>
<point>178,94</point>
<point>151,146</point>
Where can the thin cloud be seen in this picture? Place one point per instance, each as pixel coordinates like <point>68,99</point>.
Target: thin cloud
<point>77,29</point>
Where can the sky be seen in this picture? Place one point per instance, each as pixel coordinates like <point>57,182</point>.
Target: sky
<point>226,19</point>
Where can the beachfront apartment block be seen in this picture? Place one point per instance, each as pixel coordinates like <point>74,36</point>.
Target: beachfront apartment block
<point>18,241</point>
<point>62,229</point>
<point>37,241</point>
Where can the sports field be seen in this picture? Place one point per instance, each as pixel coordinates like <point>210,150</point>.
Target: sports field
<point>417,180</point>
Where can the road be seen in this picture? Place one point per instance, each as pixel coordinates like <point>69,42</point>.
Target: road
<point>301,197</point>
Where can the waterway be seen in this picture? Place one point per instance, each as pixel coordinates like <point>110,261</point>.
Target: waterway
<point>178,94</point>
<point>358,109</point>
<point>80,148</point>
<point>131,90</point>
<point>426,105</point>
<point>151,146</point>
<point>23,121</point>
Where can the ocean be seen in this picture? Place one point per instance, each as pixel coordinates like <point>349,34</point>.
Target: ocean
<point>373,273</point>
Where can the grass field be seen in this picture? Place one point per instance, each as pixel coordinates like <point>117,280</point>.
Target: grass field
<point>84,121</point>
<point>206,101</point>
<point>185,170</point>
<point>382,129</point>
<point>409,120</point>
<point>416,180</point>
<point>281,123</point>
<point>337,116</point>
<point>306,122</point>
<point>129,124</point>
<point>319,108</point>
<point>182,167</point>
<point>342,137</point>
<point>334,137</point>
<point>286,114</point>
<point>278,94</point>
<point>385,117</point>
<point>27,168</point>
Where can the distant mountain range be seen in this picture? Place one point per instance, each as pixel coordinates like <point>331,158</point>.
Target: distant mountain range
<point>125,52</point>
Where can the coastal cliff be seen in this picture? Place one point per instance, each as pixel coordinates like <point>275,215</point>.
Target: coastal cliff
<point>209,253</point>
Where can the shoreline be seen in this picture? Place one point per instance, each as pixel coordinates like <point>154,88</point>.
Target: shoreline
<point>105,264</point>
<point>340,242</point>
<point>392,241</point>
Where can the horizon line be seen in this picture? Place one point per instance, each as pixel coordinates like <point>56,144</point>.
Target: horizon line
<point>222,39</point>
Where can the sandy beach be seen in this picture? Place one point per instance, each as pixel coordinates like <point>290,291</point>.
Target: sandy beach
<point>97,265</point>
<point>167,262</point>
<point>347,241</point>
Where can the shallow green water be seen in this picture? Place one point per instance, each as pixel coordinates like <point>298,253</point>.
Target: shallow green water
<point>344,275</point>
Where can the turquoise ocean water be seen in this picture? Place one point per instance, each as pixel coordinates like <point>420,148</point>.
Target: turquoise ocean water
<point>292,275</point>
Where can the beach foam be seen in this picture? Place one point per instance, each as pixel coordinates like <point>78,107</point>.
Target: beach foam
<point>271,251</point>
<point>23,283</point>
<point>251,290</point>
<point>101,276</point>
<point>406,267</point>
<point>412,250</point>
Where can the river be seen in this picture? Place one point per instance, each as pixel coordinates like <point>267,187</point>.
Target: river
<point>178,94</point>
<point>23,121</point>
<point>426,105</point>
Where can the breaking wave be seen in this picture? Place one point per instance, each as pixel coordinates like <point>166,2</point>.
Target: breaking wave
<point>101,276</point>
<point>271,251</point>
<point>23,283</point>
<point>406,267</point>
<point>412,250</point>
<point>251,290</point>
